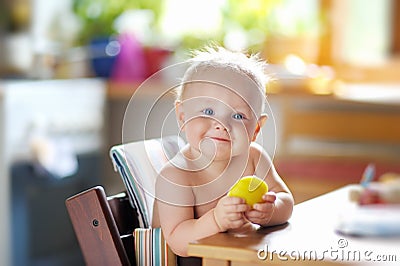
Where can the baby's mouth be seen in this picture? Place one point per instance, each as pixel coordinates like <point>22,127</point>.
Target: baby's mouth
<point>220,139</point>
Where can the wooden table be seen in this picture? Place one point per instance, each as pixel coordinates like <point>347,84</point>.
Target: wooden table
<point>308,238</point>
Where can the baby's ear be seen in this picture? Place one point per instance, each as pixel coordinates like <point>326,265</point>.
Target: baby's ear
<point>260,123</point>
<point>180,115</point>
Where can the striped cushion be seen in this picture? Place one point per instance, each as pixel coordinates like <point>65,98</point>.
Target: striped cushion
<point>151,248</point>
<point>138,164</point>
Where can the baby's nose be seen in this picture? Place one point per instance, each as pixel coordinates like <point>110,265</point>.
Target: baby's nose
<point>219,125</point>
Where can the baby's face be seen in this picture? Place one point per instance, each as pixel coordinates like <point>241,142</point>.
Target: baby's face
<point>220,120</point>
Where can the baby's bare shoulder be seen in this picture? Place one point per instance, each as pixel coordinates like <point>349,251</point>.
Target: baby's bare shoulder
<point>256,149</point>
<point>177,170</point>
<point>173,186</point>
<point>258,153</point>
<point>175,173</point>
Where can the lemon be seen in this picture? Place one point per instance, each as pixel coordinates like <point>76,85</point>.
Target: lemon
<point>249,188</point>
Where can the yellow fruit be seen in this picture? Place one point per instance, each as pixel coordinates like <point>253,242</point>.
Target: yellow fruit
<point>249,188</point>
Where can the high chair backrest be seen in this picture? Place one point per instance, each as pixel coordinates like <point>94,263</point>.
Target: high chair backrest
<point>138,164</point>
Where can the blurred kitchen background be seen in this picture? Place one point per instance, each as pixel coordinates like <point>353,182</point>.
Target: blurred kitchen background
<point>68,69</point>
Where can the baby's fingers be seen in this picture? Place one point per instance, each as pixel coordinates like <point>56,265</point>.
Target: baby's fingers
<point>269,197</point>
<point>255,216</point>
<point>235,204</point>
<point>264,207</point>
<point>237,208</point>
<point>234,216</point>
<point>232,200</point>
<point>260,217</point>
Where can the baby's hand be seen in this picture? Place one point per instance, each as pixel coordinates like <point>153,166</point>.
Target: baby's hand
<point>229,211</point>
<point>261,213</point>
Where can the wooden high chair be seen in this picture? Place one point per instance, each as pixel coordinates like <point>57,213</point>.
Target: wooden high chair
<point>117,230</point>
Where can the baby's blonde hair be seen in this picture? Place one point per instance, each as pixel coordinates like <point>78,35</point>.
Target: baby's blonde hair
<point>218,57</point>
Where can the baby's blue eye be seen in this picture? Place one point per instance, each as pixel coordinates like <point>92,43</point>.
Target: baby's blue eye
<point>238,116</point>
<point>208,111</point>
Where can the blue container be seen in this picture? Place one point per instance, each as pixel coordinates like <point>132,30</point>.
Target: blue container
<point>103,53</point>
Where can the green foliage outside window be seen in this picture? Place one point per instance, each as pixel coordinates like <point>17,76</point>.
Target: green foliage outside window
<point>98,16</point>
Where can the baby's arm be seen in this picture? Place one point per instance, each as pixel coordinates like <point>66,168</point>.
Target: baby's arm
<point>277,205</point>
<point>180,228</point>
<point>177,215</point>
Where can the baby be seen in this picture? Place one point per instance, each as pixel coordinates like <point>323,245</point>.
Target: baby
<point>220,109</point>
